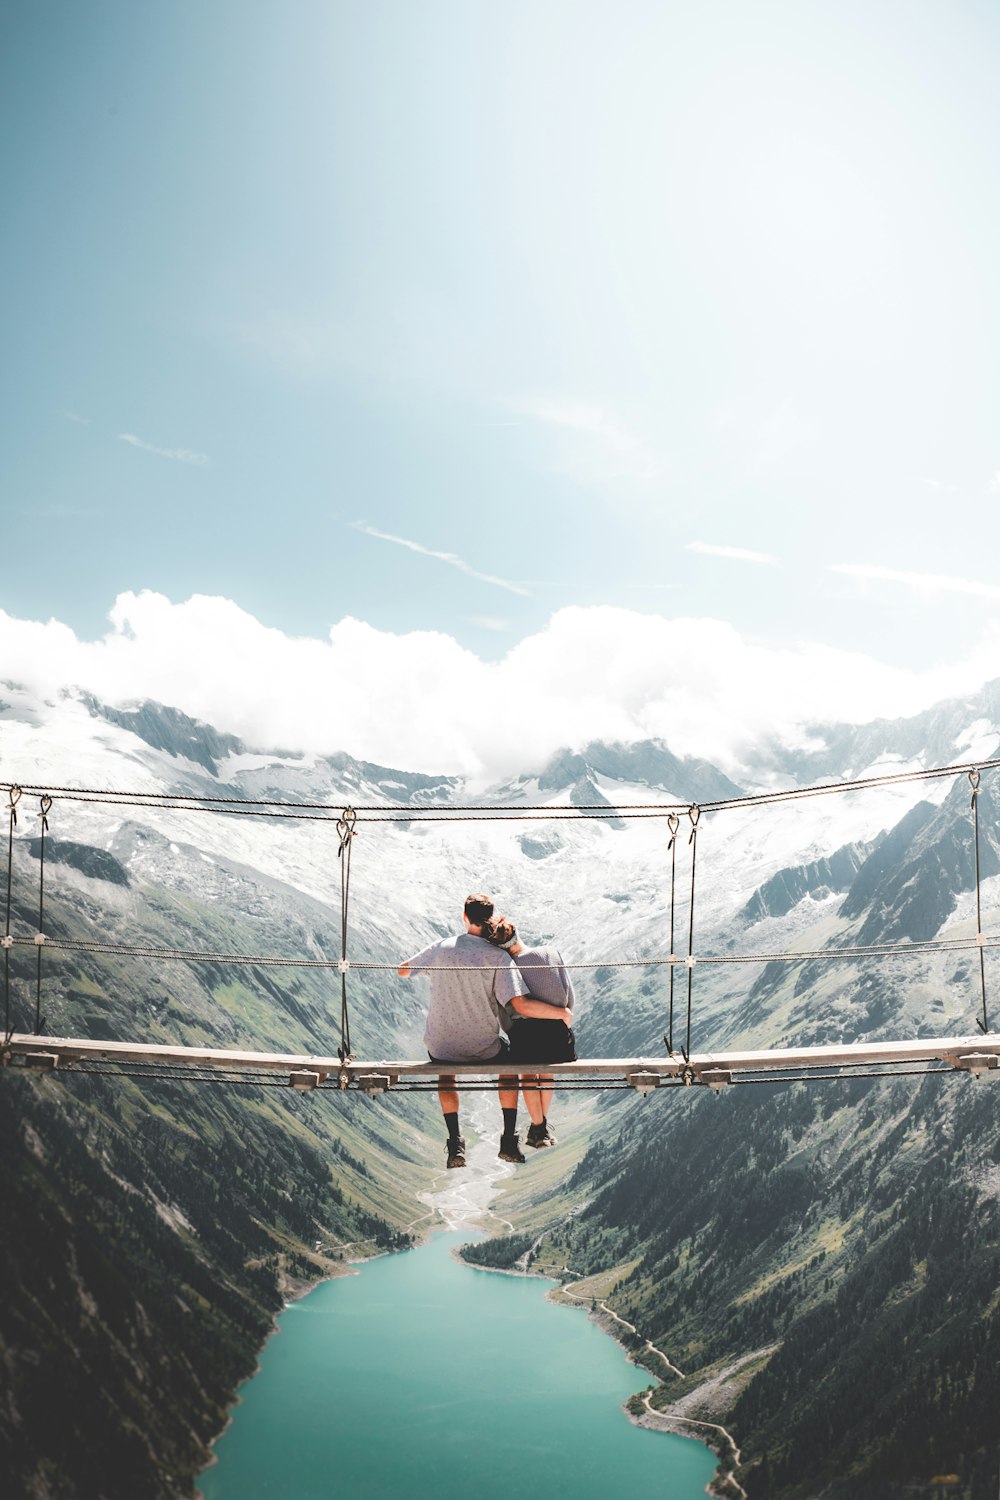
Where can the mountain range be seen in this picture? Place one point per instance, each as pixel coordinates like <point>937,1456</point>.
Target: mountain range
<point>819,1259</point>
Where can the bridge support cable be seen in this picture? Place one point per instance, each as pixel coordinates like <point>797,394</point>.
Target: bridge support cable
<point>673,823</point>
<point>44,808</point>
<point>13,798</point>
<point>982,1022</point>
<point>346,829</point>
<point>694,814</point>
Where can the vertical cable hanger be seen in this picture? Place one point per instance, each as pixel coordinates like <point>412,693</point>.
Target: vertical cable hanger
<point>45,807</point>
<point>981,1021</point>
<point>13,798</point>
<point>346,832</point>
<point>694,813</point>
<point>673,823</point>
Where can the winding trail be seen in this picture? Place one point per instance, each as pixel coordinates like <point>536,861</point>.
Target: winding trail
<point>647,1345</point>
<point>733,1454</point>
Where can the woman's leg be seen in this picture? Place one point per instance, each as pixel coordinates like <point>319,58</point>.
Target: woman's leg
<point>532,1097</point>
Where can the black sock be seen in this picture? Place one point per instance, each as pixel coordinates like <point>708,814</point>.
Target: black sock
<point>451,1120</point>
<point>510,1121</point>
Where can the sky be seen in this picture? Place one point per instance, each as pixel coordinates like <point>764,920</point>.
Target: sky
<point>428,340</point>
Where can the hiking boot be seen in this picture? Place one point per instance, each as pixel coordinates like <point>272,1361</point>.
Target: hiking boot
<point>510,1148</point>
<point>539,1136</point>
<point>456,1152</point>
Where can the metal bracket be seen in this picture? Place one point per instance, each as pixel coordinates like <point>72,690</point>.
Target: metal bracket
<point>304,1080</point>
<point>376,1083</point>
<point>43,1062</point>
<point>643,1082</point>
<point>716,1078</point>
<point>976,1062</point>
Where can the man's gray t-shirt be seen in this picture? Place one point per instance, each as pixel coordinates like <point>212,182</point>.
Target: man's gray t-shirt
<point>471,981</point>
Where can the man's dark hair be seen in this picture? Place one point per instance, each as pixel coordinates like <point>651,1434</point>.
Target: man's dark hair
<point>478,909</point>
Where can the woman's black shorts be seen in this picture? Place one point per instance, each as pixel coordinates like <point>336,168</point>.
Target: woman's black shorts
<point>541,1042</point>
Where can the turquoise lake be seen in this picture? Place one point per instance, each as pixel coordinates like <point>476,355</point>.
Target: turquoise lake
<point>421,1377</point>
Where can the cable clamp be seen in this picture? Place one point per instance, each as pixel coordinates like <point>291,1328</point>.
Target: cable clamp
<point>675,958</point>
<point>39,939</point>
<point>974,783</point>
<point>690,962</point>
<point>7,941</point>
<point>673,823</point>
<point>13,798</point>
<point>343,964</point>
<point>982,938</point>
<point>346,827</point>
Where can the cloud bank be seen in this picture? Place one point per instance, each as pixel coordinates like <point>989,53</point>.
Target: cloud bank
<point>422,701</point>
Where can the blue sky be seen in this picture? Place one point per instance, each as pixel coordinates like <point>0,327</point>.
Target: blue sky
<point>449,316</point>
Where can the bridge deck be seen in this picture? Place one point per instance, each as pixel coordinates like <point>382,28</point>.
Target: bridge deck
<point>973,1054</point>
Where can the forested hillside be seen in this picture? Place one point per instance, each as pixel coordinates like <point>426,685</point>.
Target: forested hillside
<point>152,1228</point>
<point>822,1259</point>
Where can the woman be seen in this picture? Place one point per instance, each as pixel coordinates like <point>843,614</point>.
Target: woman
<point>537,1041</point>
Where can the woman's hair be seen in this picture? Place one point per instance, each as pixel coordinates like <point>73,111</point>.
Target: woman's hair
<point>500,931</point>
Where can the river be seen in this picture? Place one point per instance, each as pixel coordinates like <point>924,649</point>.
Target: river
<point>425,1378</point>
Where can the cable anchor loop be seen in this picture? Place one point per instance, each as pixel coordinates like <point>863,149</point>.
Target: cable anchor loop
<point>44,808</point>
<point>673,823</point>
<point>13,798</point>
<point>694,813</point>
<point>974,779</point>
<point>346,828</point>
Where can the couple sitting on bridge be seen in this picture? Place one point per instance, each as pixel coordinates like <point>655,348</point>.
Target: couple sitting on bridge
<point>484,982</point>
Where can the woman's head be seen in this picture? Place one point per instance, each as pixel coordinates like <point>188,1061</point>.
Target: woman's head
<point>501,932</point>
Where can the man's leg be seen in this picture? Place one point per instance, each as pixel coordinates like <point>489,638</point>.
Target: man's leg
<point>510,1146</point>
<point>448,1096</point>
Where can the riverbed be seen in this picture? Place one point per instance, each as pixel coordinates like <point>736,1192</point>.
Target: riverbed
<point>424,1377</point>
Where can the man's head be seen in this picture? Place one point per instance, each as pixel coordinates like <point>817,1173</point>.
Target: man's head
<point>478,909</point>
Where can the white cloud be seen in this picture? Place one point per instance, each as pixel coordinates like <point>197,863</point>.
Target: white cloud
<point>180,455</point>
<point>736,554</point>
<point>595,448</point>
<point>924,583</point>
<point>423,702</point>
<point>451,558</point>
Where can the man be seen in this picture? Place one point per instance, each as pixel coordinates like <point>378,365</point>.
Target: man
<point>471,981</point>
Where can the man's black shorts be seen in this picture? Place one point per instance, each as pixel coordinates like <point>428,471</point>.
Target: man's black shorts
<point>541,1042</point>
<point>502,1055</point>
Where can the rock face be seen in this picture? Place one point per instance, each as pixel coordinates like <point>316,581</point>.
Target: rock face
<point>170,730</point>
<point>647,763</point>
<point>97,863</point>
<point>784,890</point>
